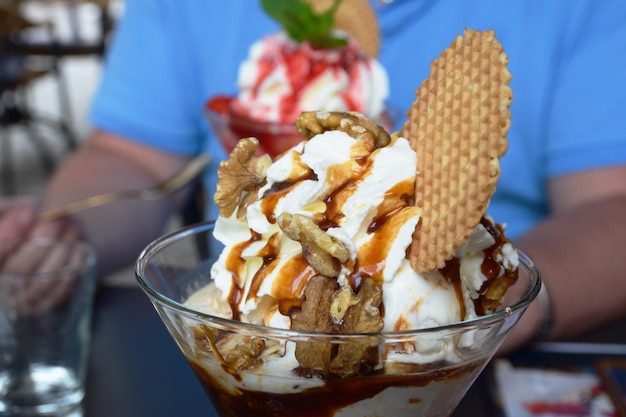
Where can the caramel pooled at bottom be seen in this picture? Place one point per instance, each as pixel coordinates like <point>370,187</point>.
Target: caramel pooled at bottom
<point>439,381</point>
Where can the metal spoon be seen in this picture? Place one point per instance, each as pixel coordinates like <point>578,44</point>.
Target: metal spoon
<point>163,189</point>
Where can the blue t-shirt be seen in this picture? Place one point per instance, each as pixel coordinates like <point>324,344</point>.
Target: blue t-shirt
<point>566,56</point>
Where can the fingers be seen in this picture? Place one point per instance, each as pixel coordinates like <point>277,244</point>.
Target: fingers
<point>20,259</point>
<point>13,255</point>
<point>40,275</point>
<point>63,228</point>
<point>16,220</point>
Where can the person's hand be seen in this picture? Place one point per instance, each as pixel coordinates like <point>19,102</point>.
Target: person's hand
<point>17,218</point>
<point>18,221</point>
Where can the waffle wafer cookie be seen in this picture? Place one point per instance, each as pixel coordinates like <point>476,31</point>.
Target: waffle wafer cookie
<point>458,126</point>
<point>357,18</point>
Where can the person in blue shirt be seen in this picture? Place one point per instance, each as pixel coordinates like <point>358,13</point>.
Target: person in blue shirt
<point>562,191</point>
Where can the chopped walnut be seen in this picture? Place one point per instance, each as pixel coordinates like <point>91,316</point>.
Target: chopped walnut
<point>362,317</point>
<point>341,302</point>
<point>246,355</point>
<point>239,176</point>
<point>356,125</point>
<point>314,317</point>
<point>322,251</point>
<point>493,290</point>
<point>491,299</point>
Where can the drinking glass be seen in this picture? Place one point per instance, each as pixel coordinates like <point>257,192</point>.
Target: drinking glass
<point>248,369</point>
<point>46,299</point>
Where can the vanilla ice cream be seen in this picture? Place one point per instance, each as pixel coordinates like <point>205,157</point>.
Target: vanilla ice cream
<point>364,198</point>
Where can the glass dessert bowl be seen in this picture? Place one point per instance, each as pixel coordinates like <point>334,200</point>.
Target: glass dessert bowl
<point>250,369</point>
<point>229,126</point>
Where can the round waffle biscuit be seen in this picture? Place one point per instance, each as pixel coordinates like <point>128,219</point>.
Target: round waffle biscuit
<point>458,126</point>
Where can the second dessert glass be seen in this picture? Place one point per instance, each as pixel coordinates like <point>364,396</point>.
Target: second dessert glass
<point>248,369</point>
<point>229,127</point>
<point>274,138</point>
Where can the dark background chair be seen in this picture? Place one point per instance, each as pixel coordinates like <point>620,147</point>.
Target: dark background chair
<point>37,37</point>
<point>18,121</point>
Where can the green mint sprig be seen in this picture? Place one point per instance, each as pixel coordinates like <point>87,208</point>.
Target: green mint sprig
<point>303,24</point>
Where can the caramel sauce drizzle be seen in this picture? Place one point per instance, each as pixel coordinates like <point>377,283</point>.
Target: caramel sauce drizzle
<point>289,286</point>
<point>490,268</point>
<point>235,264</point>
<point>278,190</point>
<point>452,273</point>
<point>370,262</point>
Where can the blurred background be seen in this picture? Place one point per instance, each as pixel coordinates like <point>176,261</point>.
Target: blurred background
<point>51,56</point>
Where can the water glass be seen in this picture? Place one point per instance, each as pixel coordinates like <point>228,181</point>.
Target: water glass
<point>46,299</point>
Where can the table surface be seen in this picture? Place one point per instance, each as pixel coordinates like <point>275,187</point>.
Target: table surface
<point>136,369</point>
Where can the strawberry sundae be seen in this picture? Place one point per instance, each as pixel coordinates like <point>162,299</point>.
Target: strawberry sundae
<point>310,65</point>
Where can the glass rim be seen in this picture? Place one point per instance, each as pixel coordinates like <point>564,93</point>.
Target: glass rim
<point>90,257</point>
<point>390,112</point>
<point>257,329</point>
<point>263,126</point>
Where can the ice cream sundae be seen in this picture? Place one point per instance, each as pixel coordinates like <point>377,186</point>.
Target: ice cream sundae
<point>360,274</point>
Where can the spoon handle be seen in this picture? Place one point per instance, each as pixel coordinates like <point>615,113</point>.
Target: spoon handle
<point>183,177</point>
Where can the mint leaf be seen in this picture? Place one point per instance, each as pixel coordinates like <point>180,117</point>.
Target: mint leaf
<point>303,24</point>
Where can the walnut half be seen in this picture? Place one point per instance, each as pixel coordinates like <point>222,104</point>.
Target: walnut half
<point>311,123</point>
<point>362,316</point>
<point>240,176</point>
<point>322,251</point>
